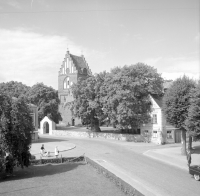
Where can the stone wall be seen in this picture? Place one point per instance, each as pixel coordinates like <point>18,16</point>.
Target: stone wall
<point>89,134</point>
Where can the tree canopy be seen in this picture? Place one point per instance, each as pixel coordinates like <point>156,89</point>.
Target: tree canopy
<point>86,104</point>
<point>122,96</point>
<point>16,128</point>
<point>176,104</point>
<point>192,122</point>
<point>14,89</point>
<point>125,94</point>
<point>46,98</point>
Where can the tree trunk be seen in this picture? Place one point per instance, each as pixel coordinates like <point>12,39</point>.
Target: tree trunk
<point>190,143</point>
<point>95,125</point>
<point>95,128</point>
<point>183,140</point>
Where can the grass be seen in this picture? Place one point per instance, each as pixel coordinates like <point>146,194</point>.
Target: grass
<point>60,179</point>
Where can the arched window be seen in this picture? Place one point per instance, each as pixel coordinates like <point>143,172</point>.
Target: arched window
<point>67,70</point>
<point>66,83</point>
<point>84,71</point>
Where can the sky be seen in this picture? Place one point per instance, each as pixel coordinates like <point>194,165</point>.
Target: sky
<point>35,35</point>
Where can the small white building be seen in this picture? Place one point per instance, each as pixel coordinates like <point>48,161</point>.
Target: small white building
<point>47,125</point>
<point>158,130</point>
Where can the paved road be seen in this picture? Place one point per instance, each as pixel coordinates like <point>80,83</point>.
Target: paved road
<point>149,176</point>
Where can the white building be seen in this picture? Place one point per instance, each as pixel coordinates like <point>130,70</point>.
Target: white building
<point>158,129</point>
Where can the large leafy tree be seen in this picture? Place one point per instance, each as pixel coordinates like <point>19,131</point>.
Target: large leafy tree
<point>86,104</point>
<point>193,120</point>
<point>46,98</point>
<point>16,128</point>
<point>14,89</point>
<point>125,95</point>
<point>176,104</point>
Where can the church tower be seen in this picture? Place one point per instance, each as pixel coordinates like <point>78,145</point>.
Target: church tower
<point>71,69</point>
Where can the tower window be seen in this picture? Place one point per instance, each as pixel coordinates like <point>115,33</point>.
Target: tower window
<point>67,70</point>
<point>84,71</point>
<point>66,83</point>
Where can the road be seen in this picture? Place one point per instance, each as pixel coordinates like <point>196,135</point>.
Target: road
<point>149,176</point>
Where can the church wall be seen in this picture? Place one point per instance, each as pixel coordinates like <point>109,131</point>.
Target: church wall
<point>67,116</point>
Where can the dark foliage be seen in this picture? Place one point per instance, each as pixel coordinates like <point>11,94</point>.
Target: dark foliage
<point>14,89</point>
<point>192,122</point>
<point>16,128</point>
<point>125,95</point>
<point>46,98</point>
<point>176,104</point>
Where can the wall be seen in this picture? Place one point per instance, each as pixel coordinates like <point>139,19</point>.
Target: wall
<point>67,116</point>
<point>162,127</point>
<point>154,127</point>
<point>89,134</point>
<point>34,111</point>
<point>168,127</point>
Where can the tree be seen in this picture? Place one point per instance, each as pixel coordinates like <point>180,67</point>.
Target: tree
<point>176,105</point>
<point>125,95</point>
<point>192,122</point>
<point>46,98</point>
<point>16,128</point>
<point>14,89</point>
<point>86,104</point>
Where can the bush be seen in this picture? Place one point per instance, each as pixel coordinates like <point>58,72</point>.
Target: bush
<point>2,165</point>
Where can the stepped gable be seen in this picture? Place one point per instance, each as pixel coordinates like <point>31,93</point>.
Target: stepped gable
<point>79,63</point>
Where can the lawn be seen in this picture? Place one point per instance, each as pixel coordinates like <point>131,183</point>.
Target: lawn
<point>59,179</point>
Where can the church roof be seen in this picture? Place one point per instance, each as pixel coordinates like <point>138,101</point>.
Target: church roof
<point>78,61</point>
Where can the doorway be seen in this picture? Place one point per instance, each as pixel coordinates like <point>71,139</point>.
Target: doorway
<point>177,134</point>
<point>46,127</point>
<point>73,122</point>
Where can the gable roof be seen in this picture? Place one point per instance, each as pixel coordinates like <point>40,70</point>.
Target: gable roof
<point>78,61</point>
<point>167,84</point>
<point>158,100</point>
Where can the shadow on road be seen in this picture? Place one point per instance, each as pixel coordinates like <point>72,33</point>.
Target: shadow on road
<point>46,140</point>
<point>196,150</point>
<point>41,171</point>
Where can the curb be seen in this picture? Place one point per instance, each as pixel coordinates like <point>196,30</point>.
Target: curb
<point>58,160</point>
<point>121,184</point>
<point>160,159</point>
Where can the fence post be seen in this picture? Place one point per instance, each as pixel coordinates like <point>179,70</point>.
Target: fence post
<point>40,160</point>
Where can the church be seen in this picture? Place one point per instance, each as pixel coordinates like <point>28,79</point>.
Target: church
<point>73,67</point>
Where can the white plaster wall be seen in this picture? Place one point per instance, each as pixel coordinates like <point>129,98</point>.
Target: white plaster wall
<point>51,125</point>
